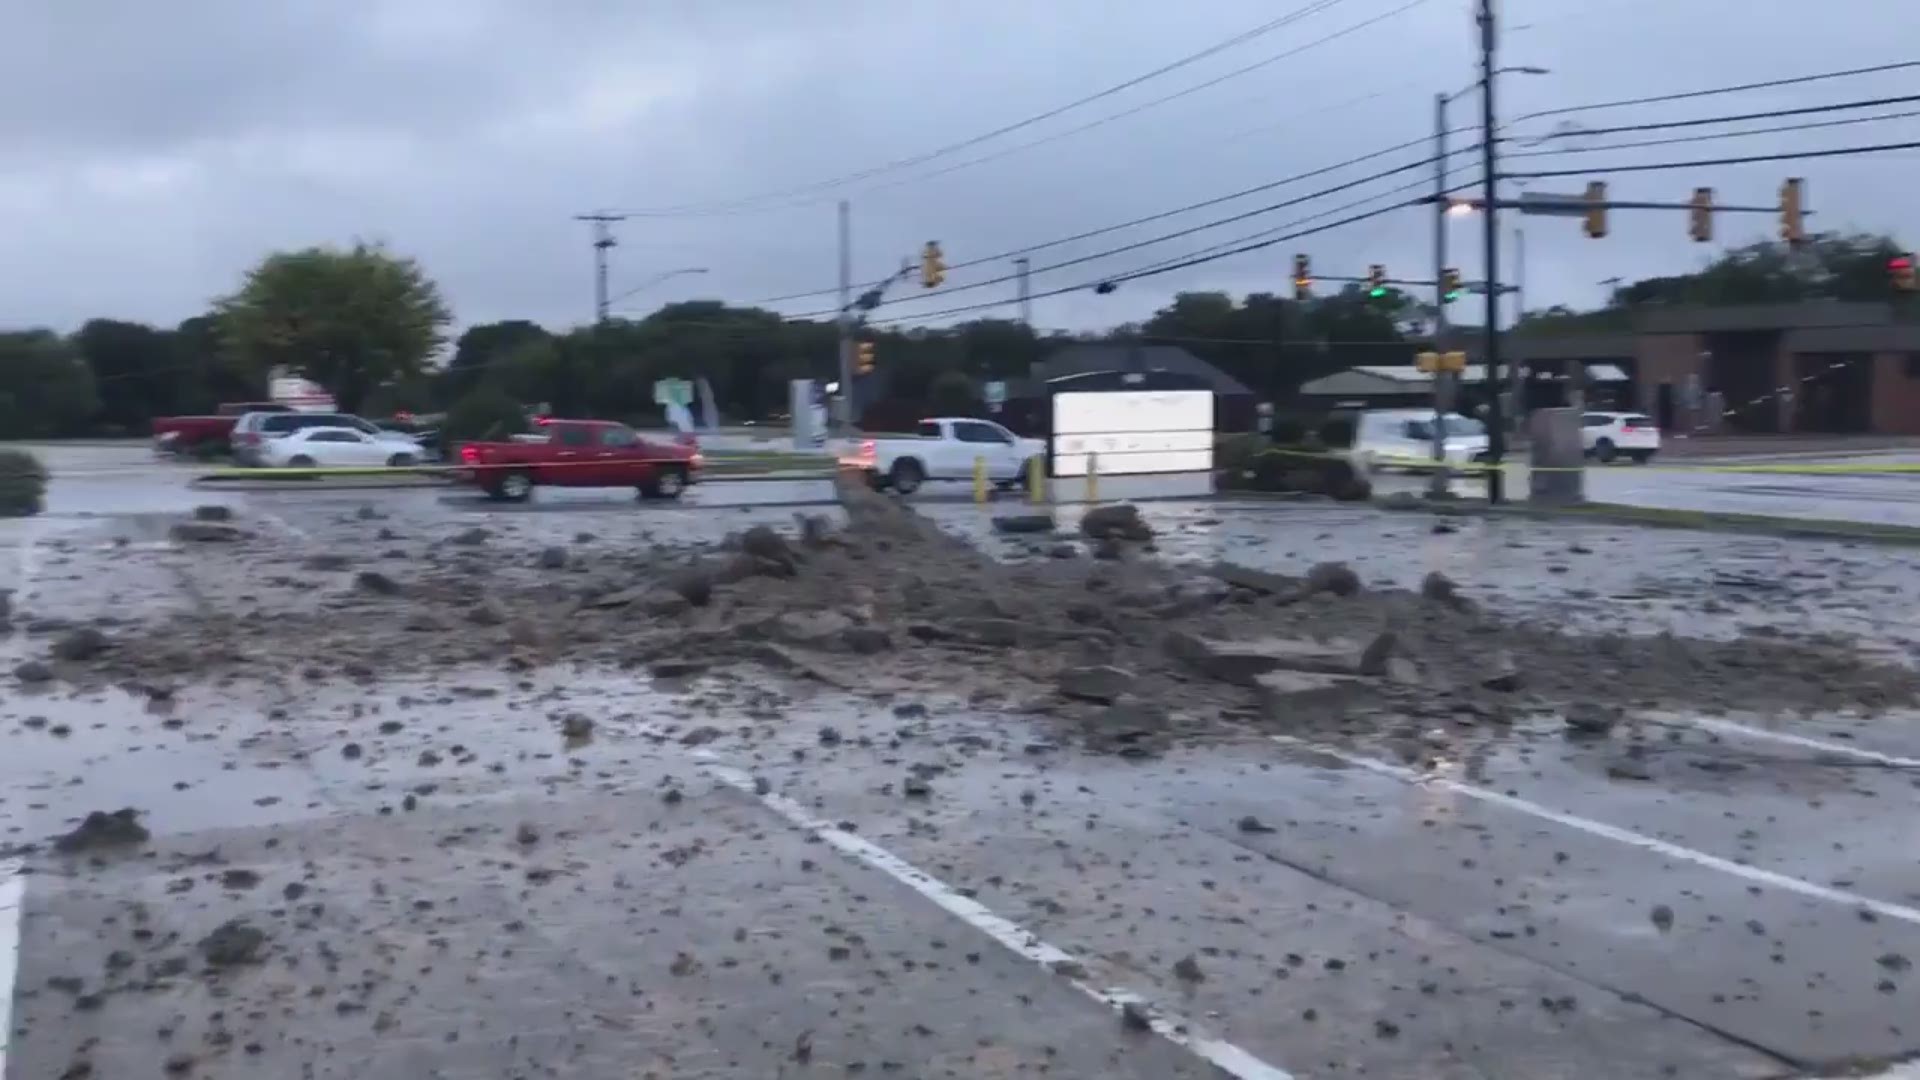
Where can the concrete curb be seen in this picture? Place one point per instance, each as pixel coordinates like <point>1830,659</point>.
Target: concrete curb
<point>1786,528</point>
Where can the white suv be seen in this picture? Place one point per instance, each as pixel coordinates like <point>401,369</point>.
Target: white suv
<point>1609,435</point>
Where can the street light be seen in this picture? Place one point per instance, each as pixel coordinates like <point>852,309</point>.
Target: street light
<point>658,278</point>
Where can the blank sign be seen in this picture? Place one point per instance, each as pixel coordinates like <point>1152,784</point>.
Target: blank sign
<point>1133,431</point>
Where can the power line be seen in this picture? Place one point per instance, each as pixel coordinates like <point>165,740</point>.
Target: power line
<point>1709,136</point>
<point>1152,271</point>
<point>1164,214</point>
<point>1770,114</point>
<point>1688,95</point>
<point>1135,110</point>
<point>1189,231</point>
<point>1802,155</point>
<point>1313,8</point>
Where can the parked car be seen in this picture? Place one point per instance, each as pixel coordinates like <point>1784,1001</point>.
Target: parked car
<point>1403,439</point>
<point>1610,435</point>
<point>188,434</point>
<point>580,453</point>
<point>256,429</point>
<point>945,448</point>
<point>335,448</point>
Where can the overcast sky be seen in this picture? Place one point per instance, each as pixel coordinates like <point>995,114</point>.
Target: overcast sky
<point>149,153</point>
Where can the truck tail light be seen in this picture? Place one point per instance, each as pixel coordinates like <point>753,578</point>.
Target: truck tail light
<point>470,455</point>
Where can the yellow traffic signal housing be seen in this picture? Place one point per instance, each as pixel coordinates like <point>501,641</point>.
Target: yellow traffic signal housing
<point>1376,280</point>
<point>1700,215</point>
<point>1450,284</point>
<point>863,358</point>
<point>933,266</point>
<point>1302,278</point>
<point>1793,195</point>
<point>1597,209</point>
<point>1431,362</point>
<point>1427,361</point>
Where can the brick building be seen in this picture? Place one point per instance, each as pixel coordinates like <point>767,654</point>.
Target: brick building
<point>1819,366</point>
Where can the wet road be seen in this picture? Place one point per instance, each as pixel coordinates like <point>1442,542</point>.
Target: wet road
<point>712,885</point>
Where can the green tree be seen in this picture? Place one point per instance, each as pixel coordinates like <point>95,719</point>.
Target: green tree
<point>478,348</point>
<point>953,394</point>
<point>136,371</point>
<point>46,388</point>
<point>349,319</point>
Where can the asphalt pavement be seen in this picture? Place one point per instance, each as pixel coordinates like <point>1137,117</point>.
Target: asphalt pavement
<point>729,878</point>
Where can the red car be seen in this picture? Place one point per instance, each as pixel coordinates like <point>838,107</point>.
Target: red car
<point>580,453</point>
<point>183,434</point>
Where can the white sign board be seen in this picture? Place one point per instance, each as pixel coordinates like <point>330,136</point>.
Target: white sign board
<point>298,394</point>
<point>1133,431</point>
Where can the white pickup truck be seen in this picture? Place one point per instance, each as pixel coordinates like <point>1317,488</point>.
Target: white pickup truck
<point>945,448</point>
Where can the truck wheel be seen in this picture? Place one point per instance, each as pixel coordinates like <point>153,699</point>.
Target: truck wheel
<point>515,486</point>
<point>906,476</point>
<point>400,461</point>
<point>669,484</point>
<point>299,461</point>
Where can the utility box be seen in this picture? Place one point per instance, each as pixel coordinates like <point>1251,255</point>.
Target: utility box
<point>1558,459</point>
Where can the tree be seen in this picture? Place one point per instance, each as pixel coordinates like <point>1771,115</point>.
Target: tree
<point>479,347</point>
<point>349,320</point>
<point>135,370</point>
<point>46,388</point>
<point>952,394</point>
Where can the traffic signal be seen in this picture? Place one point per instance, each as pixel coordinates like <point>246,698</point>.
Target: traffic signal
<point>1597,209</point>
<point>863,358</point>
<point>1450,284</point>
<point>933,266</point>
<point>1302,278</point>
<point>1700,215</point>
<point>1900,269</point>
<point>1376,280</point>
<point>1793,195</point>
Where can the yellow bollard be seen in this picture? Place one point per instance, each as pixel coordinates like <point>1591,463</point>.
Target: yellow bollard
<point>1036,479</point>
<point>1093,477</point>
<point>979,479</point>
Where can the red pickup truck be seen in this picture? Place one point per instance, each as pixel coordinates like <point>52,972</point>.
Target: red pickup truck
<point>184,434</point>
<point>580,453</point>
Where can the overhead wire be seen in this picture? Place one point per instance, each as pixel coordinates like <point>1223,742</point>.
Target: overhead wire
<point>1769,114</point>
<point>1711,135</point>
<point>1177,234</point>
<point>1315,7</point>
<point>1689,95</point>
<point>1001,256</point>
<point>1754,159</point>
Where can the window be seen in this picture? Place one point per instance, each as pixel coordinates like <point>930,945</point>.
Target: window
<point>1464,426</point>
<point>1419,430</point>
<point>972,431</point>
<point>1595,420</point>
<point>334,437</point>
<point>574,435</point>
<point>617,436</point>
<point>929,430</point>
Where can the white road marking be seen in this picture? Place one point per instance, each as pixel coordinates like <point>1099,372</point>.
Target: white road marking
<point>1728,727</point>
<point>1613,832</point>
<point>1231,1060</point>
<point>13,889</point>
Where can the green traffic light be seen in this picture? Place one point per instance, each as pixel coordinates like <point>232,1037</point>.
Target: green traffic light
<point>1378,291</point>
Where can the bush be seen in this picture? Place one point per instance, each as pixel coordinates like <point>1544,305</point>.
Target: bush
<point>23,484</point>
<point>1288,431</point>
<point>1233,453</point>
<point>1300,470</point>
<point>484,413</point>
<point>1337,433</point>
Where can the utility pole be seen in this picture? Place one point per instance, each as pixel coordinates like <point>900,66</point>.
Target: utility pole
<point>1438,486</point>
<point>602,241</point>
<point>846,318</point>
<point>1496,423</point>
<point>1020,266</point>
<point>1517,379</point>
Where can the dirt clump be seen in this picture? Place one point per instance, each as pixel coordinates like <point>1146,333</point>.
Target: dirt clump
<point>233,943</point>
<point>103,830</point>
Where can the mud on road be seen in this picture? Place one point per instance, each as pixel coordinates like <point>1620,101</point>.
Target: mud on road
<point>850,794</point>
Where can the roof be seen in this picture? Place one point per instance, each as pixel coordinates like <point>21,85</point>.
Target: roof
<point>1094,356</point>
<point>1380,379</point>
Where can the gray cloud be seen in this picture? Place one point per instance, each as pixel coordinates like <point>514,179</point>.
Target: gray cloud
<point>150,153</point>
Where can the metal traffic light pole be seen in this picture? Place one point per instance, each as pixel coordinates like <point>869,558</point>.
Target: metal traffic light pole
<point>1496,423</point>
<point>1437,488</point>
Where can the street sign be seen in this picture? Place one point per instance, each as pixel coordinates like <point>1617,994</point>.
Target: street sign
<point>995,393</point>
<point>673,392</point>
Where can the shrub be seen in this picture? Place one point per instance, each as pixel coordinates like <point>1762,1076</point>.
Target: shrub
<point>1232,453</point>
<point>486,412</point>
<point>1288,431</point>
<point>1337,432</point>
<point>23,484</point>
